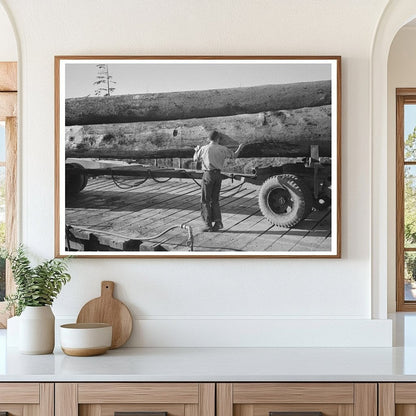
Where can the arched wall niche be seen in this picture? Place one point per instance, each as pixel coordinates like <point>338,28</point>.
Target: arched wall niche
<point>401,74</point>
<point>396,15</point>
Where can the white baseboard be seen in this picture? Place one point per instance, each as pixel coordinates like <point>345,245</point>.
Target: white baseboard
<point>188,332</point>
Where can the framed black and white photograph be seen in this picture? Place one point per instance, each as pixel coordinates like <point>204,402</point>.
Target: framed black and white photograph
<point>198,156</point>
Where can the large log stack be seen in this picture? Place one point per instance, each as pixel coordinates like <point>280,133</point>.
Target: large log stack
<point>270,120</point>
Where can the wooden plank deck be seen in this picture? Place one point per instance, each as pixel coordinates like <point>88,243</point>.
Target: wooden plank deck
<point>152,207</point>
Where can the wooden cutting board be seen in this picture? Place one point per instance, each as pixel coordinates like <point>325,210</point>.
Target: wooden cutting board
<point>107,309</point>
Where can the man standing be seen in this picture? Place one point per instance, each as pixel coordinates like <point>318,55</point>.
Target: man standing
<point>212,156</point>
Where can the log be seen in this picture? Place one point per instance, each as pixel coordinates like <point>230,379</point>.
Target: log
<point>80,239</point>
<point>195,104</point>
<point>268,134</point>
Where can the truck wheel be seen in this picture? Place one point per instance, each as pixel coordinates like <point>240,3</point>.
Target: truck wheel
<point>75,179</point>
<point>285,200</point>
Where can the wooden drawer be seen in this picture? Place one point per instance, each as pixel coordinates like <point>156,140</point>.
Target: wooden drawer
<point>397,399</point>
<point>105,399</point>
<point>27,399</point>
<point>331,399</point>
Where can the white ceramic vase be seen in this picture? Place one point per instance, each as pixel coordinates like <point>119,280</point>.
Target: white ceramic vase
<point>37,330</point>
<point>12,334</point>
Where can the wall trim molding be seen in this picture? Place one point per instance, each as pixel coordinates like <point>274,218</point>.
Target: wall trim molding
<point>256,332</point>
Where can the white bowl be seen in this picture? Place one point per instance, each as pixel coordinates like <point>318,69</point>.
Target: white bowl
<point>84,340</point>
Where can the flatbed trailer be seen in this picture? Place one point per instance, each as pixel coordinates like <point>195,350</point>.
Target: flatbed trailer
<point>287,193</point>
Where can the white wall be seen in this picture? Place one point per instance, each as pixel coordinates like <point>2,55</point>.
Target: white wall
<point>8,47</point>
<point>249,302</point>
<point>401,74</point>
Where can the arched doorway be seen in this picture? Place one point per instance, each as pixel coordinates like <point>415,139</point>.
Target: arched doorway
<point>396,15</point>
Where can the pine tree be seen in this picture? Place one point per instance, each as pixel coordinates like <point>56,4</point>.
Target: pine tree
<point>104,82</point>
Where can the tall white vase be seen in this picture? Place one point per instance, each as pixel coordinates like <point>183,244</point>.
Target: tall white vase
<point>12,334</point>
<point>37,330</point>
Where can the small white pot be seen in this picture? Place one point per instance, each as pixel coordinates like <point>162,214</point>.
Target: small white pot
<point>83,340</point>
<point>37,330</point>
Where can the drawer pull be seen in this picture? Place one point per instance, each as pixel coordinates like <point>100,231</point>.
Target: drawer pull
<point>295,413</point>
<point>140,414</point>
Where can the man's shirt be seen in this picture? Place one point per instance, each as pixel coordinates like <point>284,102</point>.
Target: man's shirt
<point>213,156</point>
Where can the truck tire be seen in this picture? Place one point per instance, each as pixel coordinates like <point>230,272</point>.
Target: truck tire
<point>285,200</point>
<point>75,179</point>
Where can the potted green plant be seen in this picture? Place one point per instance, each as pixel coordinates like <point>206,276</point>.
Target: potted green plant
<point>36,289</point>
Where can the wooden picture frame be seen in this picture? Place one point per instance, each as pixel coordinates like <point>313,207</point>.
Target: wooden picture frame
<point>127,174</point>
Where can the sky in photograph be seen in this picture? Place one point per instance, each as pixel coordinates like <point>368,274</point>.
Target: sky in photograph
<point>147,77</point>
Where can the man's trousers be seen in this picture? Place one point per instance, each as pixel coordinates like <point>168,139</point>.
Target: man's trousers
<point>210,196</point>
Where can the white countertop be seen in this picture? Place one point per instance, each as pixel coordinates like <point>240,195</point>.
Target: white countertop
<point>215,364</point>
